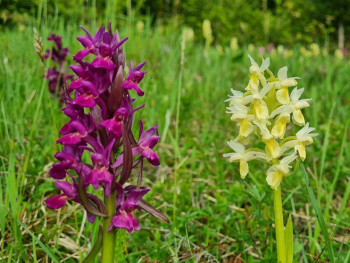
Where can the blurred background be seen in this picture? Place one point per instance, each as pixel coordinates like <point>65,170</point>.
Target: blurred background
<point>260,22</point>
<point>196,51</point>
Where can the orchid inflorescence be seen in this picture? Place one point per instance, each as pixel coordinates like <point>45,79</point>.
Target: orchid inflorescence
<point>101,115</point>
<point>57,75</point>
<point>265,114</point>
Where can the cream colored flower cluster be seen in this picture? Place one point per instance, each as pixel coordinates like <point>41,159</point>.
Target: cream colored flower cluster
<point>265,114</point>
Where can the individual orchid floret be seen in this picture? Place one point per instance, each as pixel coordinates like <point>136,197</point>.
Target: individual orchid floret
<point>126,204</point>
<point>294,107</point>
<point>244,120</point>
<point>99,147</point>
<point>282,83</point>
<point>303,138</point>
<point>242,156</point>
<point>134,77</point>
<point>276,172</point>
<point>238,97</point>
<point>257,73</point>
<point>144,147</point>
<point>69,193</point>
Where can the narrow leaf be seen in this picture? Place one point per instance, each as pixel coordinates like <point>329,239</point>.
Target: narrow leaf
<point>87,203</point>
<point>116,92</point>
<point>153,211</point>
<point>127,157</point>
<point>288,235</point>
<point>97,247</point>
<point>318,212</point>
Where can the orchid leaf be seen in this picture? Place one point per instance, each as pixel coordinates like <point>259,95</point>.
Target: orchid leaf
<point>153,211</point>
<point>96,248</point>
<point>288,236</point>
<point>127,157</point>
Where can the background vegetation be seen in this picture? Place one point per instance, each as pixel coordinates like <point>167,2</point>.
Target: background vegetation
<point>215,216</point>
<point>258,21</point>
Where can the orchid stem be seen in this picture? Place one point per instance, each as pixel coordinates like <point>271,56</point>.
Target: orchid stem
<point>108,238</point>
<point>279,227</point>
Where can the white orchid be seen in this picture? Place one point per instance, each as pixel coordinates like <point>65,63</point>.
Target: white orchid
<point>276,172</point>
<point>242,156</point>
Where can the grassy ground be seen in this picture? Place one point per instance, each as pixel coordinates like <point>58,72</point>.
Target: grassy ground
<point>215,216</point>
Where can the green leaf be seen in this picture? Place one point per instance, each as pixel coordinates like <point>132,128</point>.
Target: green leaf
<point>97,247</point>
<point>319,214</point>
<point>288,236</point>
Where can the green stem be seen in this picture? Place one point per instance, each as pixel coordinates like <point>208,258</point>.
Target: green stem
<point>108,238</point>
<point>280,241</point>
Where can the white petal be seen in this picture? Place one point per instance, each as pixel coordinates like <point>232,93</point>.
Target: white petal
<point>236,146</point>
<point>288,159</point>
<point>301,104</point>
<point>252,155</point>
<point>287,109</point>
<point>282,73</point>
<point>296,94</point>
<point>265,65</point>
<point>252,61</point>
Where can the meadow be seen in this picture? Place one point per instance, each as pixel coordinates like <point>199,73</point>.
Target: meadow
<point>214,215</point>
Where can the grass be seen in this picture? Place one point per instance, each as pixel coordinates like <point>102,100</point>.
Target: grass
<point>215,216</point>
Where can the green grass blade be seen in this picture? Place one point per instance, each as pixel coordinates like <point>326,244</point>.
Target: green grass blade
<point>319,214</point>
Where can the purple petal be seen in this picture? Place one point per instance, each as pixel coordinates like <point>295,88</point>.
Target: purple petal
<point>85,100</point>
<point>133,197</point>
<point>78,70</point>
<point>126,221</point>
<point>70,139</point>
<point>147,134</point>
<point>69,190</point>
<point>58,171</point>
<point>99,175</point>
<point>99,35</point>
<point>81,54</point>
<point>56,202</point>
<point>129,85</point>
<point>139,66</point>
<point>85,41</point>
<point>76,84</point>
<point>112,126</point>
<point>151,156</point>
<point>150,141</point>
<point>103,62</point>
<point>91,218</point>
<point>86,32</point>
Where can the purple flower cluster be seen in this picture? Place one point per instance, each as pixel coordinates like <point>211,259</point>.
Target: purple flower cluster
<point>57,75</point>
<point>101,115</point>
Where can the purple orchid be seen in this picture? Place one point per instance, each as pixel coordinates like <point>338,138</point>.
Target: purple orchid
<point>57,75</point>
<point>98,143</point>
<point>58,201</point>
<point>134,77</point>
<point>144,147</point>
<point>127,201</point>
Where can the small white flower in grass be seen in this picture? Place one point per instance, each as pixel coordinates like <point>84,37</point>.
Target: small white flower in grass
<point>276,172</point>
<point>242,156</point>
<point>303,138</point>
